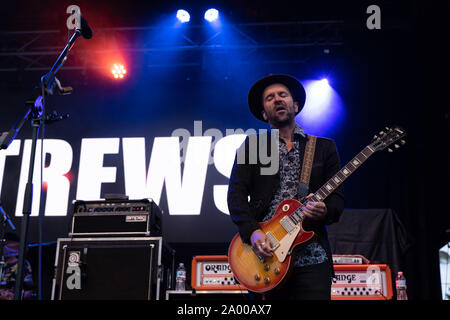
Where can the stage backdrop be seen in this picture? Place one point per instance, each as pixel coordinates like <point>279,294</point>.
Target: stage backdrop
<point>170,134</point>
<point>171,140</point>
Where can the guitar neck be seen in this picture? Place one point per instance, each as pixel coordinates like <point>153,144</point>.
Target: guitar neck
<point>335,181</point>
<point>332,184</point>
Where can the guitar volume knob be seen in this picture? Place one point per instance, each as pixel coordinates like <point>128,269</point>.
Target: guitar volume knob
<point>266,280</point>
<point>257,277</point>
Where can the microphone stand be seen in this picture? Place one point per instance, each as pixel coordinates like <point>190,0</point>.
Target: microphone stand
<point>34,111</point>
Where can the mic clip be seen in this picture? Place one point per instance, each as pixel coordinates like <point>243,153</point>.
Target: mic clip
<point>61,90</point>
<point>54,117</point>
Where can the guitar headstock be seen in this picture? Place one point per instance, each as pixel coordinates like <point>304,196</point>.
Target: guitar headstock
<point>387,137</point>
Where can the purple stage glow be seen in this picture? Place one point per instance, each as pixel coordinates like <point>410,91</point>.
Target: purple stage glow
<point>323,110</point>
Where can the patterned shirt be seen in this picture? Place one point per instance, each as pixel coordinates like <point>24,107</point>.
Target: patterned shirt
<point>290,170</point>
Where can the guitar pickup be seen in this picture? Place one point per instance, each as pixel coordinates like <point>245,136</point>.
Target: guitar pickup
<point>274,244</point>
<point>287,224</point>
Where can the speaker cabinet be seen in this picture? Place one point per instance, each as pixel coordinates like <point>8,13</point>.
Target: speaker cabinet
<point>113,268</point>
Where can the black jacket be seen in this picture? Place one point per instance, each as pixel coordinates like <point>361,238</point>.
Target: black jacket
<point>246,180</point>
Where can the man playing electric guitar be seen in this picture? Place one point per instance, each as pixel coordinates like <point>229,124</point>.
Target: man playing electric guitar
<point>277,99</point>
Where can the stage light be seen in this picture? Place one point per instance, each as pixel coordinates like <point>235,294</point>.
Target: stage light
<point>324,82</point>
<point>211,15</point>
<point>323,110</point>
<point>320,89</point>
<point>118,71</point>
<point>183,16</point>
<point>319,93</point>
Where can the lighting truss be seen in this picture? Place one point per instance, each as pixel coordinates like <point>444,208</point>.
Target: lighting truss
<point>275,42</point>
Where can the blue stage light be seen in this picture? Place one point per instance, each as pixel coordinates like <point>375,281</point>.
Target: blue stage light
<point>183,16</point>
<point>211,15</point>
<point>324,109</point>
<point>324,82</point>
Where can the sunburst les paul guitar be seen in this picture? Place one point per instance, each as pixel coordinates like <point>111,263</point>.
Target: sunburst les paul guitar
<point>285,229</point>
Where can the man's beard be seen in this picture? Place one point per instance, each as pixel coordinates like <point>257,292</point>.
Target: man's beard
<point>279,123</point>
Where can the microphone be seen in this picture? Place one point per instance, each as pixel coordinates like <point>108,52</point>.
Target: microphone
<point>85,30</point>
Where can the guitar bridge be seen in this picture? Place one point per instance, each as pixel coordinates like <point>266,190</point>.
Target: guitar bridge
<point>261,258</point>
<point>274,244</point>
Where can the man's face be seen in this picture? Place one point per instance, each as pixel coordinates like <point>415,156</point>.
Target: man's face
<point>279,107</point>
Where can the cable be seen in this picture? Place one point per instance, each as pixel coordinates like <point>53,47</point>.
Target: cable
<point>381,294</point>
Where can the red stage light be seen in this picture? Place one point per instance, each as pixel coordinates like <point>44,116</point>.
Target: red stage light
<point>118,71</point>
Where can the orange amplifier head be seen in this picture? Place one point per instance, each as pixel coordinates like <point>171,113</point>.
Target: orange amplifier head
<point>213,273</point>
<point>361,282</point>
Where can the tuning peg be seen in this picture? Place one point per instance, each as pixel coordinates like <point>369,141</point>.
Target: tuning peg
<point>375,137</point>
<point>402,142</point>
<point>388,129</point>
<point>396,146</point>
<point>390,150</point>
<point>381,133</point>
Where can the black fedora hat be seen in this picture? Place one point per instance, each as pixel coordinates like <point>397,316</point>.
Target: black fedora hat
<point>256,91</point>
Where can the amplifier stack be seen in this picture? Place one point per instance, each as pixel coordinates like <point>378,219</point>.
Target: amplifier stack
<point>115,250</point>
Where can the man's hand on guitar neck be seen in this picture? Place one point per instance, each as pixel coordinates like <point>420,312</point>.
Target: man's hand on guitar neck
<point>315,210</point>
<point>261,244</point>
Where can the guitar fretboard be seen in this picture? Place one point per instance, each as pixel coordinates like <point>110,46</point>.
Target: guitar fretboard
<point>332,184</point>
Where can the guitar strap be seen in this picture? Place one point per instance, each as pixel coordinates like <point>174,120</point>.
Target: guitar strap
<point>308,159</point>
